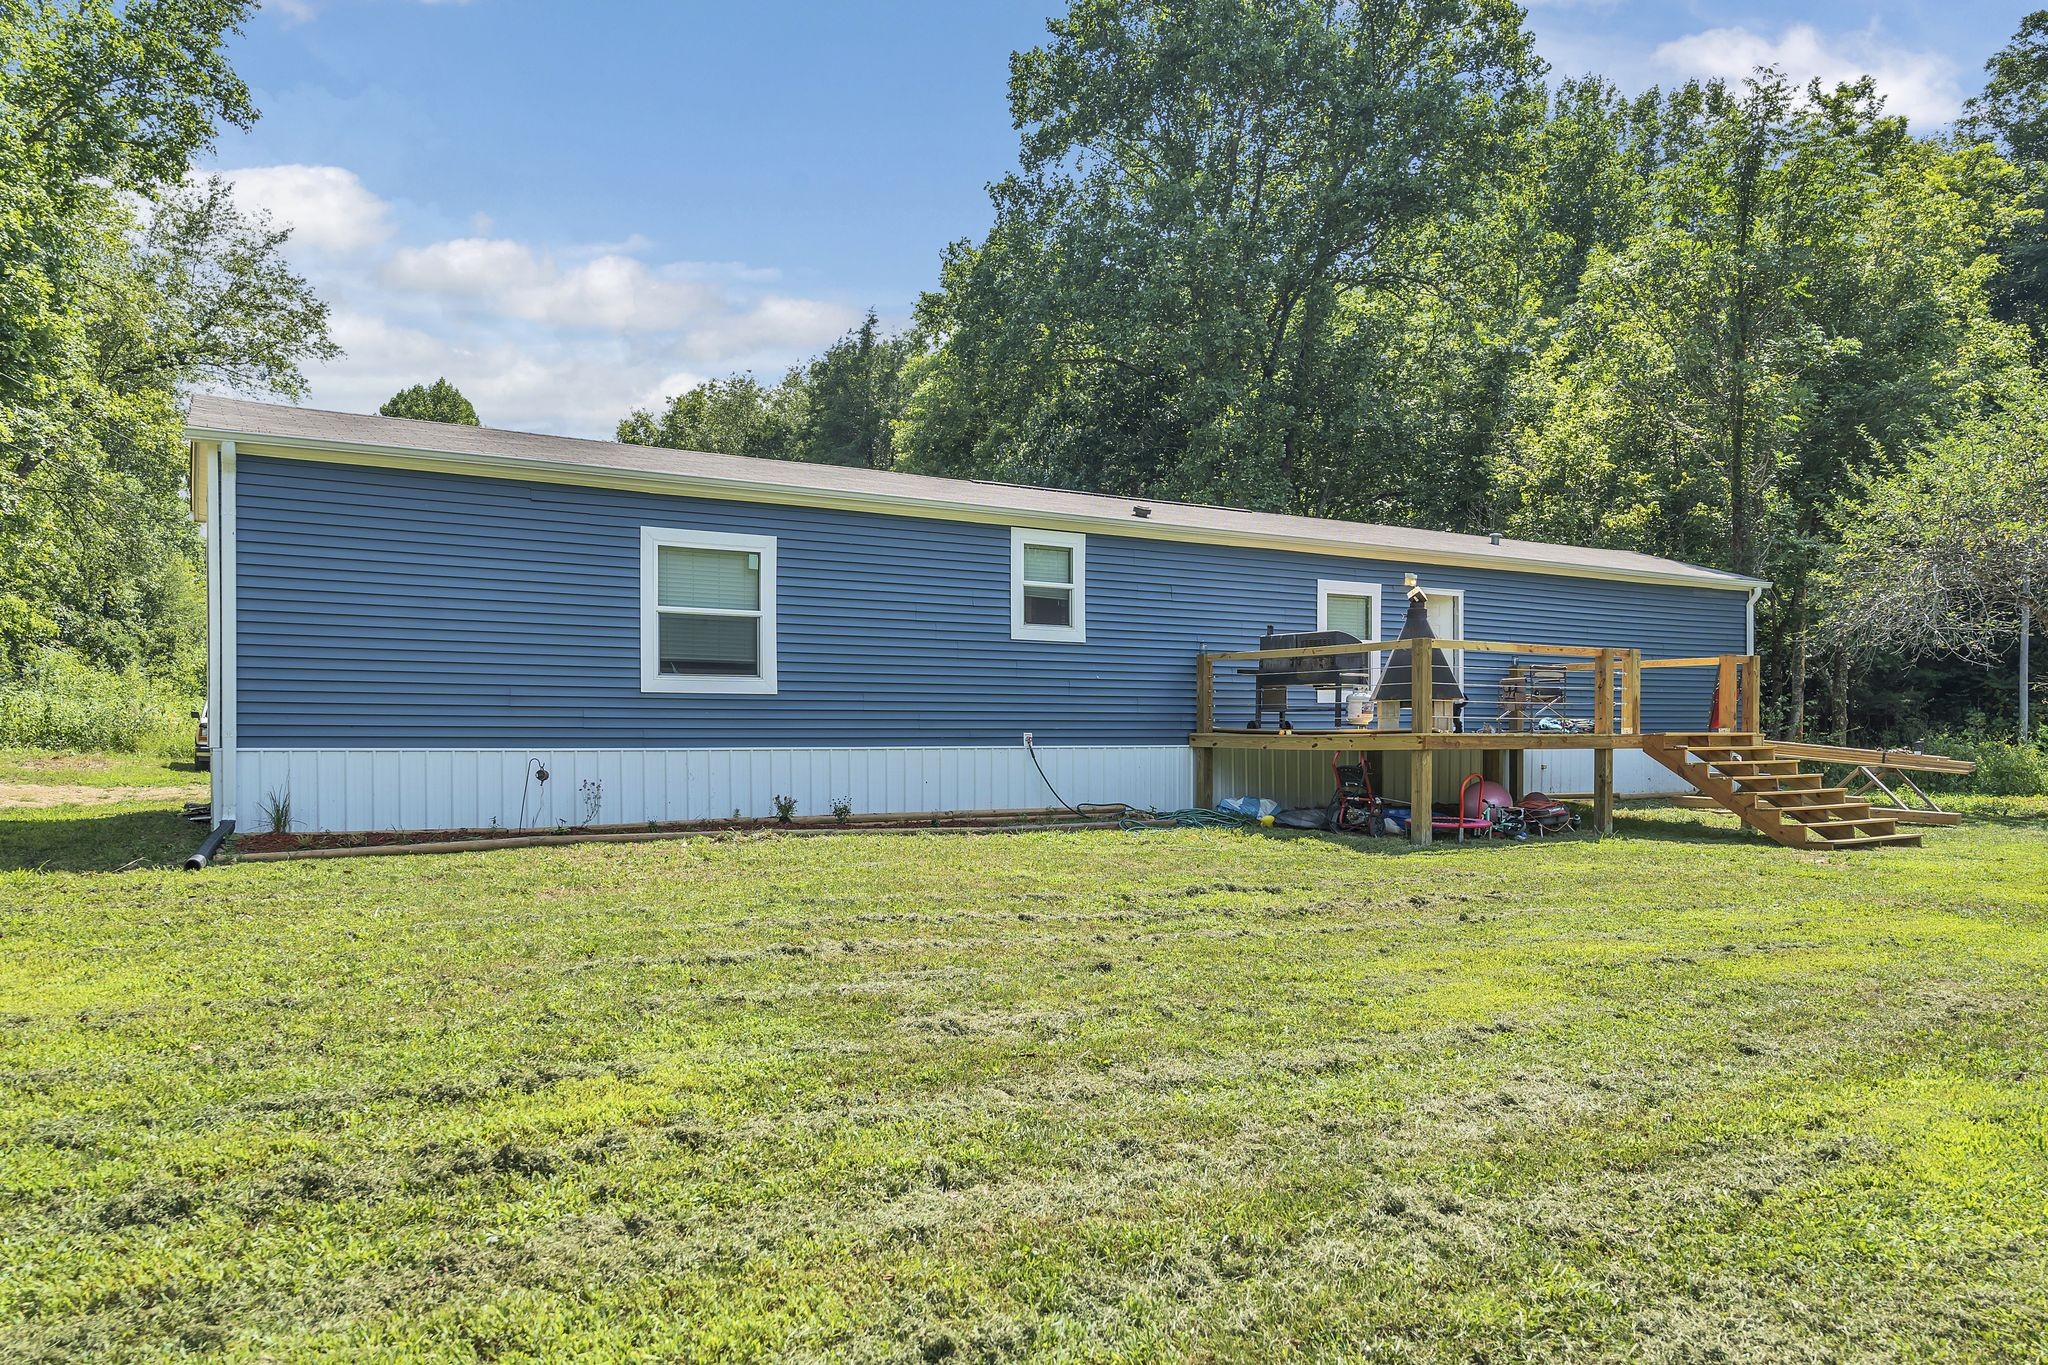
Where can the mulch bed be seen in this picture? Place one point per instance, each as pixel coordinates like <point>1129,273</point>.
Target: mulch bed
<point>267,842</point>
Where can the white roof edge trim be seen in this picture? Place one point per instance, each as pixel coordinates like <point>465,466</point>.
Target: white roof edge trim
<point>742,490</point>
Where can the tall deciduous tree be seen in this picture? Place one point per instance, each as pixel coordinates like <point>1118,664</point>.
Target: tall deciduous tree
<point>119,284</point>
<point>1805,299</point>
<point>439,401</point>
<point>2012,111</point>
<point>1210,195</point>
<point>733,416</point>
<point>855,397</point>
<point>842,408</point>
<point>1941,553</point>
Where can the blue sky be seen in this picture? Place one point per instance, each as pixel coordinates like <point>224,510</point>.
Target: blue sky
<point>573,209</point>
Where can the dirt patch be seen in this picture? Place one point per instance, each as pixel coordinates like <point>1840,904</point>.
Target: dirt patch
<point>35,795</point>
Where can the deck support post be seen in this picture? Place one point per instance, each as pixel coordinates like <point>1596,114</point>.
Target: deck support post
<point>1205,777</point>
<point>1632,691</point>
<point>1493,765</point>
<point>1421,795</point>
<point>1603,692</point>
<point>1422,762</point>
<point>1603,791</point>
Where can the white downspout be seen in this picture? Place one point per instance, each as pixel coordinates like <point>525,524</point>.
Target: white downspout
<point>226,732</point>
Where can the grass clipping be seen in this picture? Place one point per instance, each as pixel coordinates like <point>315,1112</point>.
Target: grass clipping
<point>1674,1096</point>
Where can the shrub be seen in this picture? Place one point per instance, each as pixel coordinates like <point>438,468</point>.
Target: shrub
<point>60,702</point>
<point>2003,768</point>
<point>2010,770</point>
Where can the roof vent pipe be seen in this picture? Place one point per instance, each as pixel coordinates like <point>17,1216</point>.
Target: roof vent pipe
<point>1494,538</point>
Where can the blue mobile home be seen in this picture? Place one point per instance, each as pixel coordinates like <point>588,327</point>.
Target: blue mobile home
<point>410,620</point>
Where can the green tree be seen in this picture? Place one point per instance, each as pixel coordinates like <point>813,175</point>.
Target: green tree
<point>2012,113</point>
<point>1210,195</point>
<point>733,416</point>
<point>439,401</point>
<point>1806,297</point>
<point>1940,554</point>
<point>118,285</point>
<point>95,102</point>
<point>855,398</point>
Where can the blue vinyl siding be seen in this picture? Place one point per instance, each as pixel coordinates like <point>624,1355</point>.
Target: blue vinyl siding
<point>382,607</point>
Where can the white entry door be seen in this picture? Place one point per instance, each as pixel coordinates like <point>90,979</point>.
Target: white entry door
<point>1446,611</point>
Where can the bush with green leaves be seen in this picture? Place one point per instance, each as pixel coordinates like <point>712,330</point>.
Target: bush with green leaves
<point>60,702</point>
<point>2003,767</point>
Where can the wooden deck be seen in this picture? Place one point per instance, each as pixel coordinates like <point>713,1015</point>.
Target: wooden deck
<point>1615,720</point>
<point>1733,766</point>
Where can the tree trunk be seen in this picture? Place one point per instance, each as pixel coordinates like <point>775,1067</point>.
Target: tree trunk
<point>1795,679</point>
<point>1838,698</point>
<point>1747,170</point>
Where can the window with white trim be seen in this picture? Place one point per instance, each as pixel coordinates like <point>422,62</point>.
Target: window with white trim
<point>1048,585</point>
<point>1353,608</point>
<point>1350,607</point>
<point>707,612</point>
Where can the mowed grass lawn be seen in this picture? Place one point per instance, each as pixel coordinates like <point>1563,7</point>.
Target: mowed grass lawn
<point>1677,1095</point>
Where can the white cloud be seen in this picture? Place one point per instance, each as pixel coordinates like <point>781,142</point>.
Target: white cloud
<point>772,324</point>
<point>563,337</point>
<point>1923,86</point>
<point>512,278</point>
<point>327,208</point>
<point>615,292</point>
<point>530,383</point>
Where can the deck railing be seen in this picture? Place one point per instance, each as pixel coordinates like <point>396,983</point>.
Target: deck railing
<point>1616,709</point>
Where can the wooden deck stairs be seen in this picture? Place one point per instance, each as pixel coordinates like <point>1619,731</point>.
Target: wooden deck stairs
<point>1747,776</point>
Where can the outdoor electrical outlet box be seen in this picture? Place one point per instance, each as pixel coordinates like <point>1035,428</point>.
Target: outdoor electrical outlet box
<point>1027,739</point>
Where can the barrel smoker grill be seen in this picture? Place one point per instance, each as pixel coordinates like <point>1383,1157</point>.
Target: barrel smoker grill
<point>1337,673</point>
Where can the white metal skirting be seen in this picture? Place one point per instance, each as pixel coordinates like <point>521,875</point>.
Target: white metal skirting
<point>377,789</point>
<point>1571,770</point>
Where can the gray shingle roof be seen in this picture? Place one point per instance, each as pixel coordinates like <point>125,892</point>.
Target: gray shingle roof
<point>487,450</point>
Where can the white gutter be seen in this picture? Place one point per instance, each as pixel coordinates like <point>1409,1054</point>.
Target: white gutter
<point>745,490</point>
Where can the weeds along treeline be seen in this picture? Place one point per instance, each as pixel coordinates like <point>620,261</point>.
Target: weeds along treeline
<point>60,702</point>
